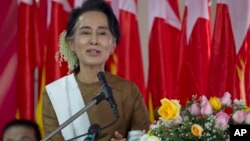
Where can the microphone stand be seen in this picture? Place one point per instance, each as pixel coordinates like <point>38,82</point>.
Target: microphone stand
<point>94,101</point>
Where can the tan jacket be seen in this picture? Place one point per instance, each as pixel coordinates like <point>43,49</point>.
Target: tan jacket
<point>131,106</point>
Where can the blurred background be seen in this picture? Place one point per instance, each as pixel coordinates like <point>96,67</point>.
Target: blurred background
<point>169,48</point>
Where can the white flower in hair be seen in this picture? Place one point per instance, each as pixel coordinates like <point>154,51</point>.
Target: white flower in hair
<point>66,54</point>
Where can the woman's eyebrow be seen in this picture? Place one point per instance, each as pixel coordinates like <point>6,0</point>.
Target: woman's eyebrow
<point>99,27</point>
<point>103,27</point>
<point>85,27</point>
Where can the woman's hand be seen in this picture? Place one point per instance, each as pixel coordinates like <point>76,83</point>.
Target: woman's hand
<point>118,137</point>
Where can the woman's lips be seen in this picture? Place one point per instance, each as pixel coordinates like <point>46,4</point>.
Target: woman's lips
<point>93,52</point>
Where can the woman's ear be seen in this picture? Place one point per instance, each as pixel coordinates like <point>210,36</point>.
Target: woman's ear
<point>113,47</point>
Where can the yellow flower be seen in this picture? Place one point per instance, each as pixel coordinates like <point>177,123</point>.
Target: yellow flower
<point>170,109</point>
<point>196,130</point>
<point>246,109</point>
<point>215,103</point>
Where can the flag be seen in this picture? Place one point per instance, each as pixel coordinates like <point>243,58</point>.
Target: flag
<point>26,60</point>
<point>192,72</point>
<point>229,69</point>
<point>127,59</point>
<point>240,20</point>
<point>222,69</point>
<point>164,28</point>
<point>9,61</point>
<point>247,70</point>
<point>40,40</point>
<point>51,69</point>
<point>56,24</point>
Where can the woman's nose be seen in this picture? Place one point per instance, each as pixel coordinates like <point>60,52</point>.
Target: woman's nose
<point>93,40</point>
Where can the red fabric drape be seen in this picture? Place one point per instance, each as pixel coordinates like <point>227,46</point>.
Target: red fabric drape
<point>222,69</point>
<point>229,70</point>
<point>195,52</point>
<point>8,63</point>
<point>31,37</point>
<point>127,59</point>
<point>163,47</point>
<point>241,85</point>
<point>26,58</point>
<point>56,26</point>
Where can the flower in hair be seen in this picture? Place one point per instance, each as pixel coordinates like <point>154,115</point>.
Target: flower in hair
<point>66,54</point>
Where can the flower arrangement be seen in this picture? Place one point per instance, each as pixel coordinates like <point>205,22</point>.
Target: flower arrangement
<point>200,120</point>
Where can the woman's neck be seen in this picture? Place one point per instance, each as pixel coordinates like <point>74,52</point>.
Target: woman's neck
<point>86,75</point>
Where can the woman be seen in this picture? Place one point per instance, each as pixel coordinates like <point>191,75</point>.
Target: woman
<point>91,36</point>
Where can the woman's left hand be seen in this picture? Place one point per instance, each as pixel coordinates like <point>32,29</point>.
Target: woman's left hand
<point>118,137</point>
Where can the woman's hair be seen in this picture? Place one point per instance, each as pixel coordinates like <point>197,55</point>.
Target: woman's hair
<point>23,123</point>
<point>66,54</point>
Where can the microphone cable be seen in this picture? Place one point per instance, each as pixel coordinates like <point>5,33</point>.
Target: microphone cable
<point>93,132</point>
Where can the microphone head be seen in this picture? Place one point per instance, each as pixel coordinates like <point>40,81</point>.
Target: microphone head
<point>96,129</point>
<point>101,77</point>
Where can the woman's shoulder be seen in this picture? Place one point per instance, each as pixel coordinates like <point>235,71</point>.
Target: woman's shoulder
<point>117,81</point>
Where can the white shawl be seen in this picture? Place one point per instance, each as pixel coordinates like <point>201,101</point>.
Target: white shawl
<point>66,99</point>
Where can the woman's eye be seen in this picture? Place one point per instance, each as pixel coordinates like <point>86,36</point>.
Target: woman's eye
<point>101,33</point>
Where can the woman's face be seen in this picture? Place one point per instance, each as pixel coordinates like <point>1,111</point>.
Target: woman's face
<point>93,41</point>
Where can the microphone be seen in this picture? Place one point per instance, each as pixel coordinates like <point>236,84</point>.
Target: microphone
<point>93,132</point>
<point>108,93</point>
